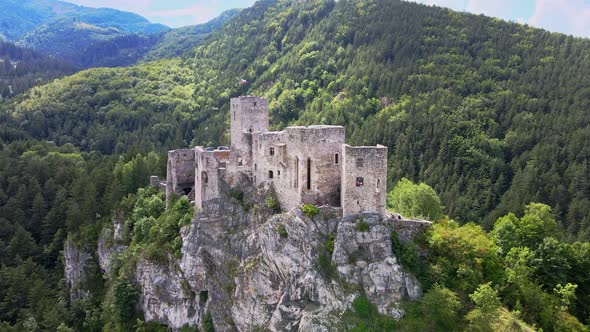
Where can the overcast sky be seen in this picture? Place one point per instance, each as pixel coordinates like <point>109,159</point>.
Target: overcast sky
<point>567,16</point>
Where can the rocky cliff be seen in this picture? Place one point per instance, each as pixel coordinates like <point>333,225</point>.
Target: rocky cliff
<point>252,269</point>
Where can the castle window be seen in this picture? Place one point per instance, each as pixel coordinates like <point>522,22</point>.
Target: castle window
<point>336,158</point>
<point>272,151</point>
<point>360,181</point>
<point>308,173</point>
<point>278,173</point>
<point>204,177</point>
<point>240,163</point>
<point>270,175</point>
<point>255,167</point>
<point>296,172</point>
<point>378,185</point>
<point>360,162</point>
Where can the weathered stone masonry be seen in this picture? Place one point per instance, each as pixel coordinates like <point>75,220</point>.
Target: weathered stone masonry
<point>303,164</point>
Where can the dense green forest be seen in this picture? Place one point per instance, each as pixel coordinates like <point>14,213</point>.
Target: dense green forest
<point>21,69</point>
<point>492,115</point>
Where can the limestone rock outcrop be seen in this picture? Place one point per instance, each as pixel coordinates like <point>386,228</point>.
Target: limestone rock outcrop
<point>251,269</point>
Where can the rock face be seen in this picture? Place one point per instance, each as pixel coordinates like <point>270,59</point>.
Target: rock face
<point>363,256</point>
<point>255,270</point>
<point>79,270</point>
<point>108,249</point>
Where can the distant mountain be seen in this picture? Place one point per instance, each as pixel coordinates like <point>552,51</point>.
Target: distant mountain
<point>22,17</point>
<point>21,69</point>
<point>177,41</point>
<point>97,37</point>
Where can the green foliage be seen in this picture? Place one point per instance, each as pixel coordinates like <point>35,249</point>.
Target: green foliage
<point>329,243</point>
<point>462,257</point>
<point>487,308</point>
<point>283,231</point>
<point>208,325</point>
<point>237,194</point>
<point>365,317</point>
<point>528,231</point>
<point>415,200</point>
<point>362,307</point>
<point>125,297</point>
<point>442,308</point>
<point>325,267</point>
<point>310,210</point>
<point>187,328</point>
<point>155,230</point>
<point>203,296</point>
<point>273,204</point>
<point>362,226</point>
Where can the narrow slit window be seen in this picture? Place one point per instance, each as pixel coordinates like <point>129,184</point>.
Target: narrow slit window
<point>296,166</point>
<point>308,173</point>
<point>336,159</point>
<point>240,162</point>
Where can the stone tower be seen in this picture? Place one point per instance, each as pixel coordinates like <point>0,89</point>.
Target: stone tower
<point>248,115</point>
<point>364,174</point>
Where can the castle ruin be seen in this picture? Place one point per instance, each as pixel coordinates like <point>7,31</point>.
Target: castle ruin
<point>303,164</point>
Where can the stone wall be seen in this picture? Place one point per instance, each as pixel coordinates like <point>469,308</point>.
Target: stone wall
<point>301,163</point>
<point>180,176</point>
<point>364,175</point>
<point>210,168</point>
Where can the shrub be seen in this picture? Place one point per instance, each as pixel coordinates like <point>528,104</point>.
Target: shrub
<point>362,226</point>
<point>325,266</point>
<point>237,194</point>
<point>362,307</point>
<point>310,210</point>
<point>208,325</point>
<point>203,296</point>
<point>273,204</point>
<point>283,231</point>
<point>329,243</point>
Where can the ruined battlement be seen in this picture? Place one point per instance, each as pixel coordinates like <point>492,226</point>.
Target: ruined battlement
<point>303,164</point>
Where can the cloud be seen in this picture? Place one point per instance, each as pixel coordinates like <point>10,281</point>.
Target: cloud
<point>567,16</point>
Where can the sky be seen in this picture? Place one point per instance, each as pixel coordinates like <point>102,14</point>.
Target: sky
<point>566,16</point>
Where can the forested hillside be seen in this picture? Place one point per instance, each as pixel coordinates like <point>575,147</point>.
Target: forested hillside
<point>493,115</point>
<point>21,69</point>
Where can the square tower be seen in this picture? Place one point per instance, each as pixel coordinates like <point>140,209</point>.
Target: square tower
<point>248,115</point>
<point>364,174</point>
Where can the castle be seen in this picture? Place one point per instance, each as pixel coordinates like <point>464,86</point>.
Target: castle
<point>303,164</point>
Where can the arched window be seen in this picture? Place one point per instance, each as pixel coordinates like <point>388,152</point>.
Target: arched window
<point>270,175</point>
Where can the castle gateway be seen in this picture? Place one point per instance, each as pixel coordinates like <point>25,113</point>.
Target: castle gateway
<point>303,164</point>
